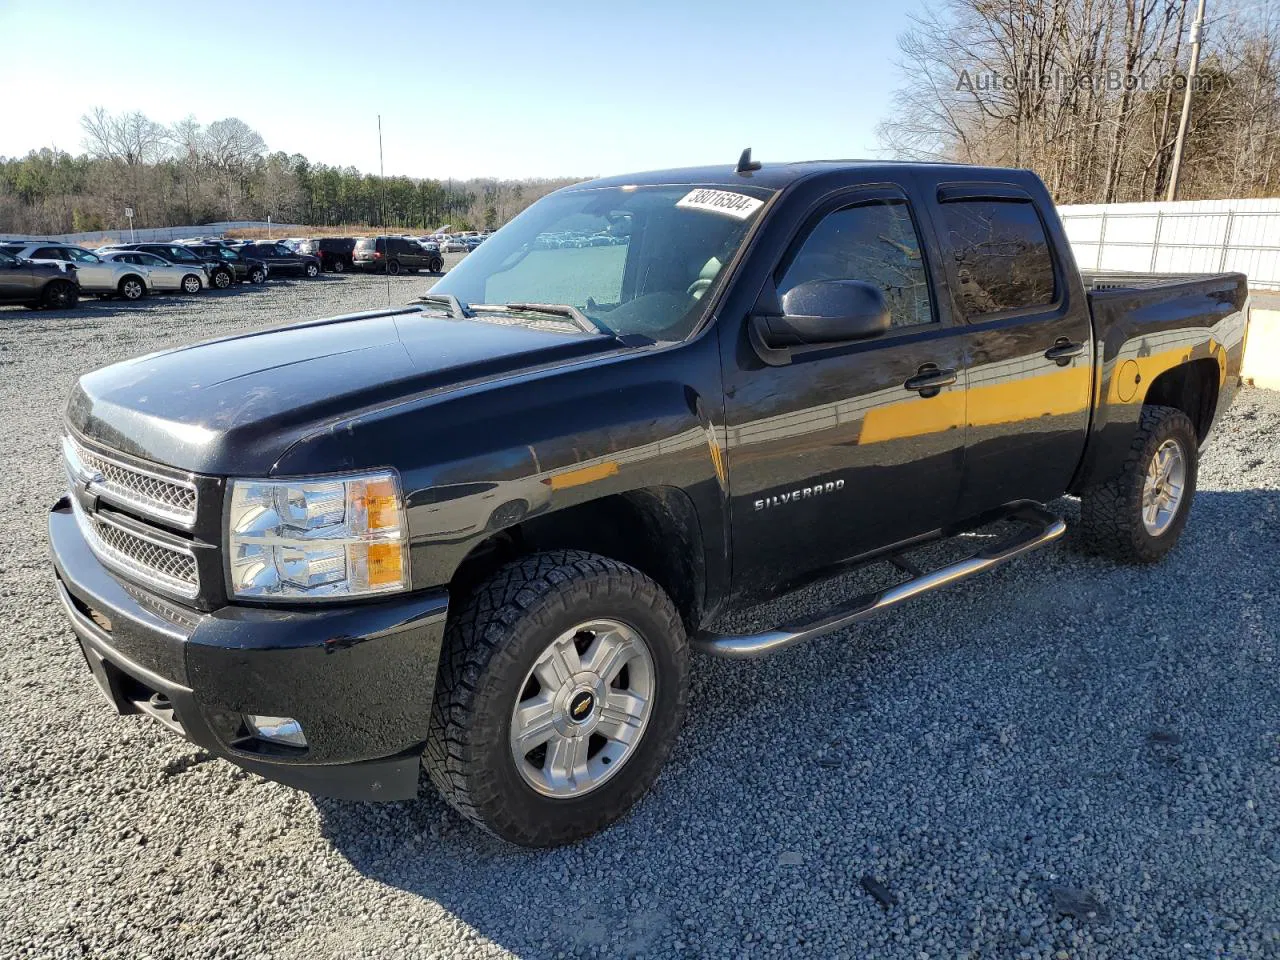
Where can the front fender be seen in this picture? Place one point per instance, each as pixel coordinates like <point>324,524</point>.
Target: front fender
<point>483,458</point>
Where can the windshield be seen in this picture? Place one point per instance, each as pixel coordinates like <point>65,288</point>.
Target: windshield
<point>635,260</point>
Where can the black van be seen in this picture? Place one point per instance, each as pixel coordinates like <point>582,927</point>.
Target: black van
<point>334,252</point>
<point>395,254</point>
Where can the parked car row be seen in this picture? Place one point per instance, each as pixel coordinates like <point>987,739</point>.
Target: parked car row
<point>49,273</point>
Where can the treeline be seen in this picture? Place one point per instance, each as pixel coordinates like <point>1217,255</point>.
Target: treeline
<point>1088,93</point>
<point>189,173</point>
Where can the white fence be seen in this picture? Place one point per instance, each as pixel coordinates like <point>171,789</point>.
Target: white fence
<point>1197,236</point>
<point>161,234</point>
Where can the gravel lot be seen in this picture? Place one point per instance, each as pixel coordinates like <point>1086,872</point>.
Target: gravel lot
<point>1060,736</point>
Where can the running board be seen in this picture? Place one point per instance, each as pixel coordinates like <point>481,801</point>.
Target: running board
<point>1042,528</point>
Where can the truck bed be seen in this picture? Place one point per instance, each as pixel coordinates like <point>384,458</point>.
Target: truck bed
<point>1120,280</point>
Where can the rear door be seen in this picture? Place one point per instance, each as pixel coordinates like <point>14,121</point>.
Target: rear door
<point>839,452</point>
<point>15,279</point>
<point>1027,345</point>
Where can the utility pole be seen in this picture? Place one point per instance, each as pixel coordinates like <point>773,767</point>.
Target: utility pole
<point>1197,25</point>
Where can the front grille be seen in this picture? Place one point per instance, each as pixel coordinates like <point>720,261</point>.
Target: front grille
<point>150,493</point>
<point>143,558</point>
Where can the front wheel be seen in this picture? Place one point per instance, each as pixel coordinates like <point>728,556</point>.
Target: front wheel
<point>222,279</point>
<point>191,283</point>
<point>437,265</point>
<point>338,266</point>
<point>562,686</point>
<point>258,275</point>
<point>1138,514</point>
<point>312,271</point>
<point>393,267</point>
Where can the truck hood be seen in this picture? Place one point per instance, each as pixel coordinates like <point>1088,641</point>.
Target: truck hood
<point>234,406</point>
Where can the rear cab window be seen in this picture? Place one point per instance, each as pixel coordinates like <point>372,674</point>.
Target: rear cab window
<point>1003,262</point>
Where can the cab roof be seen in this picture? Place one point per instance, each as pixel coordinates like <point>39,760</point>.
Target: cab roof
<point>775,176</point>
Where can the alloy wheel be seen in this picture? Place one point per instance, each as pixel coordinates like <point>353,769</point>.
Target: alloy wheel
<point>1162,488</point>
<point>582,709</point>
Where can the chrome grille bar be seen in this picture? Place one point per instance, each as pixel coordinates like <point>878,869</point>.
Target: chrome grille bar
<point>145,559</point>
<point>172,499</point>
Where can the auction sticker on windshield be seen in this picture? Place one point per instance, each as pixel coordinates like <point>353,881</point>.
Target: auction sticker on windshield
<point>736,205</point>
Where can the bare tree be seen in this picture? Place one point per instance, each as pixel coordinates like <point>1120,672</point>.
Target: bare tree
<point>1084,92</point>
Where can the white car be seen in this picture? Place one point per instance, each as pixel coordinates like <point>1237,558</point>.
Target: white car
<point>95,275</point>
<point>163,274</point>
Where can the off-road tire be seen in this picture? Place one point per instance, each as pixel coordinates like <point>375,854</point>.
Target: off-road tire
<point>490,644</point>
<point>1111,512</point>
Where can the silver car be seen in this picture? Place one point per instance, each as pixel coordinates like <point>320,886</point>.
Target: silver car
<point>93,273</point>
<point>164,275</point>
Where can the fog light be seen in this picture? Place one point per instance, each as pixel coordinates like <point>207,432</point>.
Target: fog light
<point>284,730</point>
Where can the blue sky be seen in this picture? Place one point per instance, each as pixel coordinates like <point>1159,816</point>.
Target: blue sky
<point>480,88</point>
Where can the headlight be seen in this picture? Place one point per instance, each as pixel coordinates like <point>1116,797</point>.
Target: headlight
<point>329,537</point>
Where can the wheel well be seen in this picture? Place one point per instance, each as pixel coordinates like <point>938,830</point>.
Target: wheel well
<point>654,530</point>
<point>1191,387</point>
<point>131,276</point>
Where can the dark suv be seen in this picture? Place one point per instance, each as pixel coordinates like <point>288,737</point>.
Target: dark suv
<point>221,276</point>
<point>246,269</point>
<point>395,254</point>
<point>334,252</point>
<point>280,260</point>
<point>35,284</point>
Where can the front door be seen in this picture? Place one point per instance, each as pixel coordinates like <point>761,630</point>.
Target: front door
<point>841,451</point>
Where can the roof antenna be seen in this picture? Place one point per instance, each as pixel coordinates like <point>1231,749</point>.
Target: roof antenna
<point>746,164</point>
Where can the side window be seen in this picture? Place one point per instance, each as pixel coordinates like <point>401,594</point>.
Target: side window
<point>1002,255</point>
<point>81,256</point>
<point>876,242</point>
<point>48,253</point>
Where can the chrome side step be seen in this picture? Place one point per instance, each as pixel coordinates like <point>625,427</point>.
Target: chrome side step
<point>1042,528</point>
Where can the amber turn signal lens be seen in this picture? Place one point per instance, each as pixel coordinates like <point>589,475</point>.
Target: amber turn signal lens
<point>382,505</point>
<point>386,564</point>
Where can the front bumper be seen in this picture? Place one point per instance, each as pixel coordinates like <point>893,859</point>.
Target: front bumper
<point>359,678</point>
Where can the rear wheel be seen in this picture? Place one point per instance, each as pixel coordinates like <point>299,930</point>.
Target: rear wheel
<point>191,283</point>
<point>258,275</point>
<point>437,265</point>
<point>393,267</point>
<point>562,686</point>
<point>1138,514</point>
<point>339,266</point>
<point>132,288</point>
<point>59,295</point>
<point>311,270</point>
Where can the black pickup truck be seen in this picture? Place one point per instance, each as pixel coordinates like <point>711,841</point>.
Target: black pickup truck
<point>480,535</point>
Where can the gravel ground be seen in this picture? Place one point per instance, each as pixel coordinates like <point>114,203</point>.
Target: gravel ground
<point>1064,759</point>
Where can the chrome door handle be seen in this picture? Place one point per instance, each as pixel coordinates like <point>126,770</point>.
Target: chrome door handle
<point>1064,351</point>
<point>930,379</point>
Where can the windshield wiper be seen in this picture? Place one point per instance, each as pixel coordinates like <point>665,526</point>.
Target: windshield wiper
<point>457,309</point>
<point>585,323</point>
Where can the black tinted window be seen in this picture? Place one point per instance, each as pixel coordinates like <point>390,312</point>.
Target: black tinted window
<point>48,253</point>
<point>1002,255</point>
<point>875,242</point>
